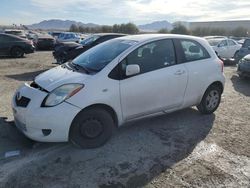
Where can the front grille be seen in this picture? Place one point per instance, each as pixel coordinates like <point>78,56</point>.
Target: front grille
<point>22,102</point>
<point>36,86</point>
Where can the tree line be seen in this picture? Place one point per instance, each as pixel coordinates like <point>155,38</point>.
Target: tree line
<point>206,31</point>
<point>178,28</point>
<point>128,28</point>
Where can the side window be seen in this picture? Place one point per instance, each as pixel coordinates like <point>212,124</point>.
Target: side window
<point>101,40</point>
<point>152,56</point>
<point>67,36</point>
<point>6,39</point>
<point>193,51</point>
<point>223,43</point>
<point>231,43</point>
<point>1,38</point>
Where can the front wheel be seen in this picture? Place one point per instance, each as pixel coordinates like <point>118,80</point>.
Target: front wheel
<point>92,128</point>
<point>210,101</point>
<point>17,52</point>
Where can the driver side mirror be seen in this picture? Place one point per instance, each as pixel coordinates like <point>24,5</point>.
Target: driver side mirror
<point>132,70</point>
<point>248,47</point>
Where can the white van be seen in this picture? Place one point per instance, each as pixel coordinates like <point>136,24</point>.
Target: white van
<point>118,81</point>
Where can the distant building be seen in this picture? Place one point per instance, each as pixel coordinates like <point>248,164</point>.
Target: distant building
<point>221,24</point>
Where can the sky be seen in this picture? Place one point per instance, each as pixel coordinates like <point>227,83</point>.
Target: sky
<point>108,12</point>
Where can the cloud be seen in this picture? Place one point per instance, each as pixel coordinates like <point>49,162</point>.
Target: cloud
<point>147,10</point>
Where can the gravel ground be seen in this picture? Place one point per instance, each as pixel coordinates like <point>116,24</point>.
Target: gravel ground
<point>182,149</point>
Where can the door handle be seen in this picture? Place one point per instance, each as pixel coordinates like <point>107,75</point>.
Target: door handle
<point>180,72</point>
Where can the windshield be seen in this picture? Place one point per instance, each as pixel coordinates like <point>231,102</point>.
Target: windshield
<point>99,56</point>
<point>214,42</point>
<point>90,39</point>
<point>246,43</point>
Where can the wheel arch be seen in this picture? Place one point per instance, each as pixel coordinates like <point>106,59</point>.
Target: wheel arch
<point>108,108</point>
<point>219,84</point>
<point>15,46</point>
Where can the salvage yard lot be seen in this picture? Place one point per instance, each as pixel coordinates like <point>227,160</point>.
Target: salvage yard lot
<point>182,149</point>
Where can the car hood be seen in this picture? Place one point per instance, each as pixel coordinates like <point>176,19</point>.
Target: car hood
<point>68,44</point>
<point>58,76</point>
<point>247,57</point>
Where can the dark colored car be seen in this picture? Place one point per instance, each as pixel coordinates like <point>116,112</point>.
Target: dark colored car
<point>11,45</point>
<point>19,33</point>
<point>44,42</point>
<point>245,50</point>
<point>68,51</point>
<point>244,67</point>
<point>55,34</point>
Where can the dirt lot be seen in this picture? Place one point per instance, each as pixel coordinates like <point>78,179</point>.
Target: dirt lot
<point>182,149</point>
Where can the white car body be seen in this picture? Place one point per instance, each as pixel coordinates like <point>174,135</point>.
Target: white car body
<point>226,48</point>
<point>156,92</point>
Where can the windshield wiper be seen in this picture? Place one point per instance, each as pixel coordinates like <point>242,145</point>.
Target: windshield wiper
<point>78,67</point>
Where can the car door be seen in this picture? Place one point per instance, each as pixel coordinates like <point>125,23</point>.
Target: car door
<point>222,49</point>
<point>232,47</point>
<point>159,86</point>
<point>5,44</point>
<point>195,58</point>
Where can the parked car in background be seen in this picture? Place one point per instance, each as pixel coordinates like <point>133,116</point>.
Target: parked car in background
<point>32,35</point>
<point>61,48</point>
<point>55,34</point>
<point>244,67</point>
<point>11,45</point>
<point>119,81</point>
<point>19,33</point>
<point>68,37</point>
<point>44,42</point>
<point>69,51</point>
<point>225,48</point>
<point>214,37</point>
<point>244,50</point>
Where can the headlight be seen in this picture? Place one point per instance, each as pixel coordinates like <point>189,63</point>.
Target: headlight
<point>61,94</point>
<point>241,61</point>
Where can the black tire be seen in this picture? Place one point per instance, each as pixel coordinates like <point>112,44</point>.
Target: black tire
<point>210,100</point>
<point>236,60</point>
<point>91,128</point>
<point>242,77</point>
<point>17,52</point>
<point>236,54</point>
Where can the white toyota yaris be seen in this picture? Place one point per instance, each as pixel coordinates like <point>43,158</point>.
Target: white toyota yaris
<point>118,81</point>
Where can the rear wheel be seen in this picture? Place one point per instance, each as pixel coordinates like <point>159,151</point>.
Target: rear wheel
<point>92,128</point>
<point>211,100</point>
<point>236,57</point>
<point>17,52</point>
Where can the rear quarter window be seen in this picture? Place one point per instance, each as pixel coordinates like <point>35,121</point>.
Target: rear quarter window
<point>193,51</point>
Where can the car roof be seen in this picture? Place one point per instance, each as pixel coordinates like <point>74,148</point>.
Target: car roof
<point>146,37</point>
<point>44,36</point>
<point>13,30</point>
<point>107,34</point>
<point>10,35</point>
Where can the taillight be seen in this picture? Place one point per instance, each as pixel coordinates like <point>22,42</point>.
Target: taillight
<point>222,65</point>
<point>30,42</point>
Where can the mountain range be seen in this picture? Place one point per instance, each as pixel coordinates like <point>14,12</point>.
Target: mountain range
<point>56,24</point>
<point>156,26</point>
